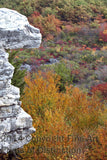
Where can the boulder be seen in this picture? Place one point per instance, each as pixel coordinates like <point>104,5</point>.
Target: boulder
<point>16,32</point>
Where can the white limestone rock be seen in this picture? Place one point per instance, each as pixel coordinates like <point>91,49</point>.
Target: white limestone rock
<point>15,124</point>
<point>9,111</point>
<point>16,32</point>
<point>23,120</point>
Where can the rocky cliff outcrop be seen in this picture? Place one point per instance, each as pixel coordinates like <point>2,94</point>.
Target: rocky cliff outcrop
<point>15,124</point>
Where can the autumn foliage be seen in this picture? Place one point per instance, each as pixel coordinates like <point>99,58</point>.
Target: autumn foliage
<point>103,32</point>
<point>49,26</point>
<point>58,114</point>
<point>100,89</point>
<point>98,149</point>
<point>72,53</point>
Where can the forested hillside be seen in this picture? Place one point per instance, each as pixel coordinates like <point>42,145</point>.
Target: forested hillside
<point>65,89</point>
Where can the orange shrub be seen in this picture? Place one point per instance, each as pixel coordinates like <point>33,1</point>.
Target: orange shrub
<point>98,149</point>
<point>49,25</point>
<point>58,117</point>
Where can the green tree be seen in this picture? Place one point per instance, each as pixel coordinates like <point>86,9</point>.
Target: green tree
<point>18,76</point>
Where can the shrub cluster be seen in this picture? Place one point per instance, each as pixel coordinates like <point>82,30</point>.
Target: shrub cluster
<point>69,114</point>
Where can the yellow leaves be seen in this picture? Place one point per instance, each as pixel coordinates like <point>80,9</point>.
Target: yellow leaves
<point>93,53</point>
<point>76,91</point>
<point>32,52</point>
<point>56,113</point>
<point>100,60</point>
<point>58,48</point>
<point>98,148</point>
<point>100,39</point>
<point>105,31</point>
<point>41,91</point>
<point>104,48</point>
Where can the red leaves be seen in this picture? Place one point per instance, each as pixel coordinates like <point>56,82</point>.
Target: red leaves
<point>49,26</point>
<point>103,32</point>
<point>36,13</point>
<point>100,88</point>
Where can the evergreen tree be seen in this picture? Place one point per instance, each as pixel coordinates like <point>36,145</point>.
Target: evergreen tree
<point>18,76</point>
